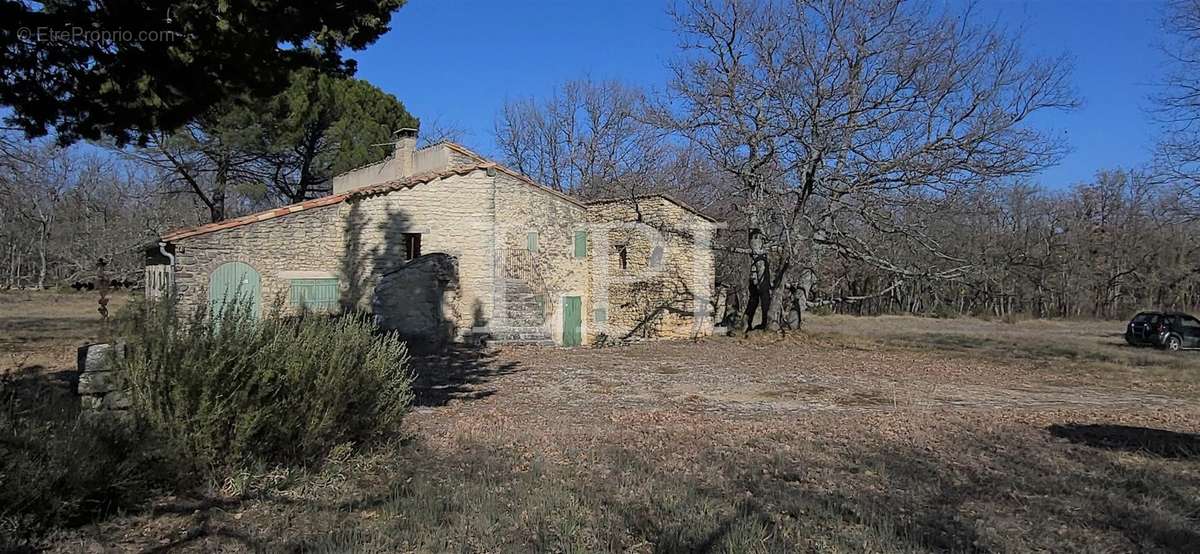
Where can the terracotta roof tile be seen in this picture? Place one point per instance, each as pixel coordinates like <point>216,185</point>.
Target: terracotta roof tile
<point>254,218</point>
<point>321,202</point>
<point>410,182</point>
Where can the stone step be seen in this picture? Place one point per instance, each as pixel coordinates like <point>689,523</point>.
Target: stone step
<point>522,303</point>
<point>500,342</point>
<point>522,334</point>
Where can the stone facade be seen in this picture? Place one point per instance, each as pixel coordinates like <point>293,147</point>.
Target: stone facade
<point>657,278</point>
<point>507,256</point>
<point>306,243</point>
<point>453,215</point>
<point>546,221</point>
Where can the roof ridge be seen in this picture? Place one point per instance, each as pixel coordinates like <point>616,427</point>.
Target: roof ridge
<point>413,180</point>
<point>463,149</point>
<point>255,217</point>
<point>381,188</point>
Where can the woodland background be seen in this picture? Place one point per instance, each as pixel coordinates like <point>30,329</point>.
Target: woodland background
<point>954,240</point>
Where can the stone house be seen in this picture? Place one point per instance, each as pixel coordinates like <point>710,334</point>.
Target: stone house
<point>442,244</point>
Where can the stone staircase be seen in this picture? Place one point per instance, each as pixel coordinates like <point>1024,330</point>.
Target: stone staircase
<point>524,317</point>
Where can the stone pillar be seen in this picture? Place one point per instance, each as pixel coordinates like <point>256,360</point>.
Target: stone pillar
<point>101,386</point>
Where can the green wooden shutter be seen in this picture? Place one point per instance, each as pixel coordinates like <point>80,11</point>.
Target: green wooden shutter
<point>532,241</point>
<point>580,244</point>
<point>314,294</point>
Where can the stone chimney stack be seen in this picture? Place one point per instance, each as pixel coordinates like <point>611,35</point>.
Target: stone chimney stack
<point>406,146</point>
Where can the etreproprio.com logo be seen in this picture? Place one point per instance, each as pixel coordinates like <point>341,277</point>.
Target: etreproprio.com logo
<point>101,36</point>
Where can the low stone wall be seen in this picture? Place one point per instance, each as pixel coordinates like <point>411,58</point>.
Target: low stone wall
<point>101,386</point>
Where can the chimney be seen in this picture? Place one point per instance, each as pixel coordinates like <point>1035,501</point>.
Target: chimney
<point>406,145</point>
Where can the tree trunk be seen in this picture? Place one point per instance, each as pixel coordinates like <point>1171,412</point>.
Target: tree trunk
<point>45,229</point>
<point>216,208</point>
<point>759,286</point>
<point>773,315</point>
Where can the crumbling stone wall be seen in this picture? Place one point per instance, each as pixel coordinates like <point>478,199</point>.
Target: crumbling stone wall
<point>102,388</point>
<point>417,300</point>
<point>669,272</point>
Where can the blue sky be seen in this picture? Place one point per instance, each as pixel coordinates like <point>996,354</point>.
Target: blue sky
<point>456,61</point>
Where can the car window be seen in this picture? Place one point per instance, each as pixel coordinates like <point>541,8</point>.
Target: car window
<point>1189,322</point>
<point>1146,318</point>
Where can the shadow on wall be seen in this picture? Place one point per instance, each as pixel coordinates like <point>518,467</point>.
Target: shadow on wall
<point>415,297</point>
<point>657,303</point>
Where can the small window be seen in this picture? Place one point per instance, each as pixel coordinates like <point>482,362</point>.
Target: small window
<point>1190,322</point>
<point>531,241</point>
<point>623,256</point>
<point>656,256</point>
<point>601,315</point>
<point>318,295</point>
<point>580,244</point>
<point>412,245</point>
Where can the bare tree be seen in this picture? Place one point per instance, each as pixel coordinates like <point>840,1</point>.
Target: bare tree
<point>590,138</point>
<point>1178,102</point>
<point>838,120</point>
<point>61,209</point>
<point>438,130</point>
<point>211,167</point>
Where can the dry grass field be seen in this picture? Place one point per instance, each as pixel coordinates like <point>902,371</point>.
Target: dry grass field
<point>42,329</point>
<point>886,434</point>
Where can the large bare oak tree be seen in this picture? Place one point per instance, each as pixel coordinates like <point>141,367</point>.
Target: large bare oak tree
<point>842,119</point>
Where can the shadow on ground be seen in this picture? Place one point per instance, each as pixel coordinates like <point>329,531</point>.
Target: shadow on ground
<point>457,374</point>
<point>1168,444</point>
<point>36,385</point>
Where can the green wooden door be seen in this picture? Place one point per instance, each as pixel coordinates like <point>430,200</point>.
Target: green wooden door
<point>230,281</point>
<point>572,321</point>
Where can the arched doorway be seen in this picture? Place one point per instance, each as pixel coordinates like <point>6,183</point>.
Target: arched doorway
<point>230,280</point>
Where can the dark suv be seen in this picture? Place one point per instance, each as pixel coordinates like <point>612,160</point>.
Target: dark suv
<point>1170,330</point>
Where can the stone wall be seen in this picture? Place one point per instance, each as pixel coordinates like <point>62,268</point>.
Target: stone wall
<point>416,298</point>
<point>668,275</point>
<point>553,271</point>
<point>307,241</point>
<point>454,216</point>
<point>102,389</point>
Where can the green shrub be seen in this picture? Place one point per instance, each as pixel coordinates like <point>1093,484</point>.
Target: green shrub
<point>234,389</point>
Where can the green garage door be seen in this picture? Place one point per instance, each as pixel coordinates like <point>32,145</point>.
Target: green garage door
<point>572,321</point>
<point>230,280</point>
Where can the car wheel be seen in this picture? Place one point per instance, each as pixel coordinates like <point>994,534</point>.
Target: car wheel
<point>1173,343</point>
